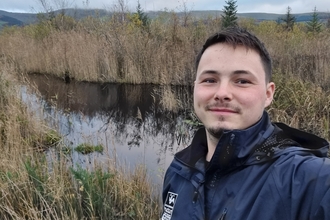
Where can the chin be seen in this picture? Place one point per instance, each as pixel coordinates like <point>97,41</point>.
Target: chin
<point>217,131</point>
<point>223,126</point>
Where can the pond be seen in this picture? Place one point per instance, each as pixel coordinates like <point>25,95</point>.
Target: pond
<point>136,124</point>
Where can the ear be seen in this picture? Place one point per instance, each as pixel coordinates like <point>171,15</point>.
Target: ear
<point>269,93</point>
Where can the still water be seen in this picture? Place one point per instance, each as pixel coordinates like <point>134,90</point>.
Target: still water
<point>136,124</point>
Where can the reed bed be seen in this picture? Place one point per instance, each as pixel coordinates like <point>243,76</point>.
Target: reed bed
<point>111,50</point>
<point>33,187</point>
<point>105,50</point>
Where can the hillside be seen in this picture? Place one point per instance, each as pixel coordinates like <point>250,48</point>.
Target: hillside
<point>11,18</point>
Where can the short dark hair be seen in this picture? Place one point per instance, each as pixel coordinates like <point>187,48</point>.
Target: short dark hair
<point>236,36</point>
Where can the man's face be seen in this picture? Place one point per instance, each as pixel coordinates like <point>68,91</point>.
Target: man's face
<point>230,89</point>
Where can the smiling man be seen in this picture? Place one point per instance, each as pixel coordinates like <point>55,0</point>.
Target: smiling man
<point>240,165</point>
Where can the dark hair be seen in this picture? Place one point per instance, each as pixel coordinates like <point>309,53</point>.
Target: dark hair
<point>237,36</point>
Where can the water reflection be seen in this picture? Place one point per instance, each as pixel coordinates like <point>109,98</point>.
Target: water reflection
<point>131,121</point>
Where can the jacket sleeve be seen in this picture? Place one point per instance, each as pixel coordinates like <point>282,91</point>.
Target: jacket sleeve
<point>321,197</point>
<point>304,185</point>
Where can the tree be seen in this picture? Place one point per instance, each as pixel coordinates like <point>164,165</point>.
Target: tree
<point>314,25</point>
<point>289,20</point>
<point>141,15</point>
<point>229,17</point>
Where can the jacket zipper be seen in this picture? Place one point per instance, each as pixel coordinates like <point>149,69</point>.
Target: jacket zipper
<point>223,215</point>
<point>195,197</point>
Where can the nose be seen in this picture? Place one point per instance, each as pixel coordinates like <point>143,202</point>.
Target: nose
<point>223,92</point>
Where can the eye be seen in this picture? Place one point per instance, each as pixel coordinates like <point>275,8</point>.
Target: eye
<point>209,81</point>
<point>242,81</point>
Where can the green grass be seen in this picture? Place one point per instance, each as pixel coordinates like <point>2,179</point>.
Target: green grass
<point>88,148</point>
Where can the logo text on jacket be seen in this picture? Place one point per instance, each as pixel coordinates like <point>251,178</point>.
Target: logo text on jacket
<point>169,205</point>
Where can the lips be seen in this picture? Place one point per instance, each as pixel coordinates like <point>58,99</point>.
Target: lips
<point>224,110</point>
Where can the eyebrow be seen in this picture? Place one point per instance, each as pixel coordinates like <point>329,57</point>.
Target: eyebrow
<point>236,72</point>
<point>242,72</point>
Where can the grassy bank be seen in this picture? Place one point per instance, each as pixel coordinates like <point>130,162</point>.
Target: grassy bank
<point>32,187</point>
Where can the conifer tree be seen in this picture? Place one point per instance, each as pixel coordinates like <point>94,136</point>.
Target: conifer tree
<point>141,15</point>
<point>289,20</point>
<point>314,25</point>
<point>229,17</point>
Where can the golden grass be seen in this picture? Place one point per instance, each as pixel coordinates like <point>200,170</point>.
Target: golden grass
<point>302,105</point>
<point>106,50</point>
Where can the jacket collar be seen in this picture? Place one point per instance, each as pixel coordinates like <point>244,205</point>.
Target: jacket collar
<point>234,145</point>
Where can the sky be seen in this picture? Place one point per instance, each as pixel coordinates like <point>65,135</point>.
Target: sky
<point>244,6</point>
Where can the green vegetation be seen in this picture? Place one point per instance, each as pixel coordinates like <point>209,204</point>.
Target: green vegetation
<point>88,148</point>
<point>229,17</point>
<point>52,138</point>
<point>141,16</point>
<point>314,26</point>
<point>289,20</point>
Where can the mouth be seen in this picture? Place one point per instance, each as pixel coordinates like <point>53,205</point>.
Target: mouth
<point>223,110</point>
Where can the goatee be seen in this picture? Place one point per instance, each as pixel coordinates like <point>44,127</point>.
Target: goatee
<point>215,132</point>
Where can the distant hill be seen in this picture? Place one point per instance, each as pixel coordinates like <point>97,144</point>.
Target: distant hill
<point>12,18</point>
<point>10,21</point>
<point>24,18</point>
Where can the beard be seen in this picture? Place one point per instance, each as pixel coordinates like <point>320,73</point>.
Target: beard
<point>216,131</point>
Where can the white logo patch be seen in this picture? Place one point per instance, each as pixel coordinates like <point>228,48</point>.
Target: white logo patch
<point>169,205</point>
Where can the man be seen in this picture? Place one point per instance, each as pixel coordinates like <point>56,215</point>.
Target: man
<point>242,166</point>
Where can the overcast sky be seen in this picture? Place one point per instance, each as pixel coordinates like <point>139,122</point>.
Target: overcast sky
<point>268,6</point>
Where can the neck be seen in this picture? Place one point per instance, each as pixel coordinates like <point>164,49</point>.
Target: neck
<point>212,143</point>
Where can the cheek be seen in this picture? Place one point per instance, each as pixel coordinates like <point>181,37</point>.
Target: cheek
<point>253,100</point>
<point>201,95</point>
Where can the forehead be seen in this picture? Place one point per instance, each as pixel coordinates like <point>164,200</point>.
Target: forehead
<point>222,48</point>
<point>225,53</point>
<point>227,57</point>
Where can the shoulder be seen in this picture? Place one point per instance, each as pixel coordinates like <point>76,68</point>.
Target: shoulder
<point>296,160</point>
<point>302,173</point>
<point>303,181</point>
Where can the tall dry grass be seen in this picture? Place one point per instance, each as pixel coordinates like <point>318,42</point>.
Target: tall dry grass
<point>302,105</point>
<point>33,187</point>
<point>115,50</point>
<point>110,51</point>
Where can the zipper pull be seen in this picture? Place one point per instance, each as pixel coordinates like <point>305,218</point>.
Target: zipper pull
<point>223,215</point>
<point>195,196</point>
